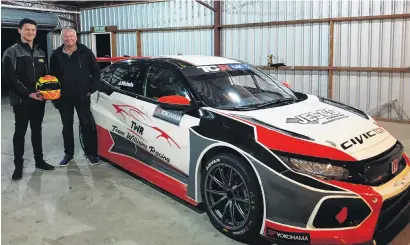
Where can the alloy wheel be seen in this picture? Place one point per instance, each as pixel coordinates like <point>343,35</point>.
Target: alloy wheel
<point>227,196</point>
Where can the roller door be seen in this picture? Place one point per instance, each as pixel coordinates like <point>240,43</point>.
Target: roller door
<point>10,18</point>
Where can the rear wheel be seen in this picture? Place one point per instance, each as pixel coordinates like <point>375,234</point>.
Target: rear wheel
<point>232,196</point>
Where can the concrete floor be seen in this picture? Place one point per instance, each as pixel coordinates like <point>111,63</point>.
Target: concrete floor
<point>99,204</point>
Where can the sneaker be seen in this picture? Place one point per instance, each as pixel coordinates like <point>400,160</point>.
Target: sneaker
<point>17,174</point>
<point>44,166</point>
<point>92,159</point>
<point>66,160</point>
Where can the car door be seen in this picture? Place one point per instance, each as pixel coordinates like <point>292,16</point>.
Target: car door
<point>169,143</point>
<point>117,110</point>
<point>127,107</point>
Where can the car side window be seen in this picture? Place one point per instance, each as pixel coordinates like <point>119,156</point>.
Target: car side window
<point>163,82</point>
<point>127,78</point>
<point>107,73</point>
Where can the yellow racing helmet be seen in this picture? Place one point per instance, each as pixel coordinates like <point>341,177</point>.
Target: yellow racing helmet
<point>49,87</point>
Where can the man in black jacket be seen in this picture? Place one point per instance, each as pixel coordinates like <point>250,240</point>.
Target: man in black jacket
<point>77,69</point>
<point>23,64</point>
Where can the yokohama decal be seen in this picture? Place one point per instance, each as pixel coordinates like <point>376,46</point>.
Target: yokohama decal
<point>289,237</point>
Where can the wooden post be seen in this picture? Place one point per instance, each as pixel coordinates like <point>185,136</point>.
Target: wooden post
<point>331,48</point>
<point>217,30</point>
<point>139,43</point>
<point>114,44</point>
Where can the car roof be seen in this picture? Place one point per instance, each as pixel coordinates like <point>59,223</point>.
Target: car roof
<point>200,60</point>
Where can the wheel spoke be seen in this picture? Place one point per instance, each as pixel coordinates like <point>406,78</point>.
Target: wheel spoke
<point>241,199</point>
<point>224,213</point>
<point>232,211</point>
<point>236,187</point>
<point>239,210</point>
<point>230,178</point>
<point>225,183</point>
<point>217,182</point>
<point>228,199</point>
<point>219,201</point>
<point>221,193</point>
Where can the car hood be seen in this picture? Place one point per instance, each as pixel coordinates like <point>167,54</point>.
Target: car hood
<point>329,125</point>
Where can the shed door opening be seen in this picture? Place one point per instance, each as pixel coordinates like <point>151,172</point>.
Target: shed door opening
<point>102,47</point>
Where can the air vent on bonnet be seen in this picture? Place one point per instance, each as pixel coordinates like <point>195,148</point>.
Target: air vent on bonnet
<point>290,133</point>
<point>344,107</point>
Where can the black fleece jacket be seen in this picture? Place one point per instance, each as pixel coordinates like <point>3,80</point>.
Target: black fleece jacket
<point>79,74</point>
<point>22,67</point>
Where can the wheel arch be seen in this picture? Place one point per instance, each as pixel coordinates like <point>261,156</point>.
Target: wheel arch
<point>221,147</point>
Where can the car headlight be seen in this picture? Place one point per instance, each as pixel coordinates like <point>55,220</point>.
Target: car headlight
<point>318,169</point>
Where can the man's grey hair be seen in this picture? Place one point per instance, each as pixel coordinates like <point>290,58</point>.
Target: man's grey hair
<point>67,29</point>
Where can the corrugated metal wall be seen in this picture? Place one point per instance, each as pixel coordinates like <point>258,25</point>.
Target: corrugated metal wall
<point>57,41</point>
<point>378,43</point>
<point>195,42</point>
<point>155,15</point>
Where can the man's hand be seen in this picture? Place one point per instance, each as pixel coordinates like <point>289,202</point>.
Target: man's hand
<point>36,96</point>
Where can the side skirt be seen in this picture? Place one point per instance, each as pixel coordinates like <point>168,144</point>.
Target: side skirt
<point>156,176</point>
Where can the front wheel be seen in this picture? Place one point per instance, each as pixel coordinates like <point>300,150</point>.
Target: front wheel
<point>232,196</point>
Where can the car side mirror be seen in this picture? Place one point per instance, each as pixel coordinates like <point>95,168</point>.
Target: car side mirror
<point>174,102</point>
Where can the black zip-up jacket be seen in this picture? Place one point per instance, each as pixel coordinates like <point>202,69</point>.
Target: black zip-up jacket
<point>79,74</point>
<point>22,67</point>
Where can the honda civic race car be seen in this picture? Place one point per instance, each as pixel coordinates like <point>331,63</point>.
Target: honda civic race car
<point>260,158</point>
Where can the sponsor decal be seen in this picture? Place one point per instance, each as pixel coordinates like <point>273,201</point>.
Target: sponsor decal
<point>288,236</point>
<point>212,163</point>
<point>173,117</point>
<point>137,128</point>
<point>241,231</point>
<point>360,139</point>
<point>126,84</point>
<point>224,67</point>
<point>138,141</point>
<point>158,154</point>
<point>323,116</point>
<point>116,130</point>
<point>127,111</point>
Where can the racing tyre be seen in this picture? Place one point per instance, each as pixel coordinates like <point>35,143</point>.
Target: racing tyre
<point>232,197</point>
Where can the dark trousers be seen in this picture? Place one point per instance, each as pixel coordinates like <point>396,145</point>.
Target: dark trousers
<point>24,114</point>
<point>85,117</point>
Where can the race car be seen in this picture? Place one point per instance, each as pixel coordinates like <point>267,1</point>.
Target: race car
<point>260,158</point>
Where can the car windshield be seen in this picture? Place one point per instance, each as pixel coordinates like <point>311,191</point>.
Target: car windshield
<point>240,88</point>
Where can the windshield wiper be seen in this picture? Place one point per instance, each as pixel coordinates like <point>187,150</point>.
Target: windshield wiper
<point>238,108</point>
<point>275,102</point>
<point>256,105</point>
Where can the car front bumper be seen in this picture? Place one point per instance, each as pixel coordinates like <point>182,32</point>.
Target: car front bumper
<point>384,236</point>
<point>390,213</point>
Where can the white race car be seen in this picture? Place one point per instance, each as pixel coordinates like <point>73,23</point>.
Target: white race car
<point>261,158</point>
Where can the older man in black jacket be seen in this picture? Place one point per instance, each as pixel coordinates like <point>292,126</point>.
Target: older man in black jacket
<point>79,74</point>
<point>23,64</point>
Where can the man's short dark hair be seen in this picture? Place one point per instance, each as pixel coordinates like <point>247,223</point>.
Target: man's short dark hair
<point>26,21</point>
